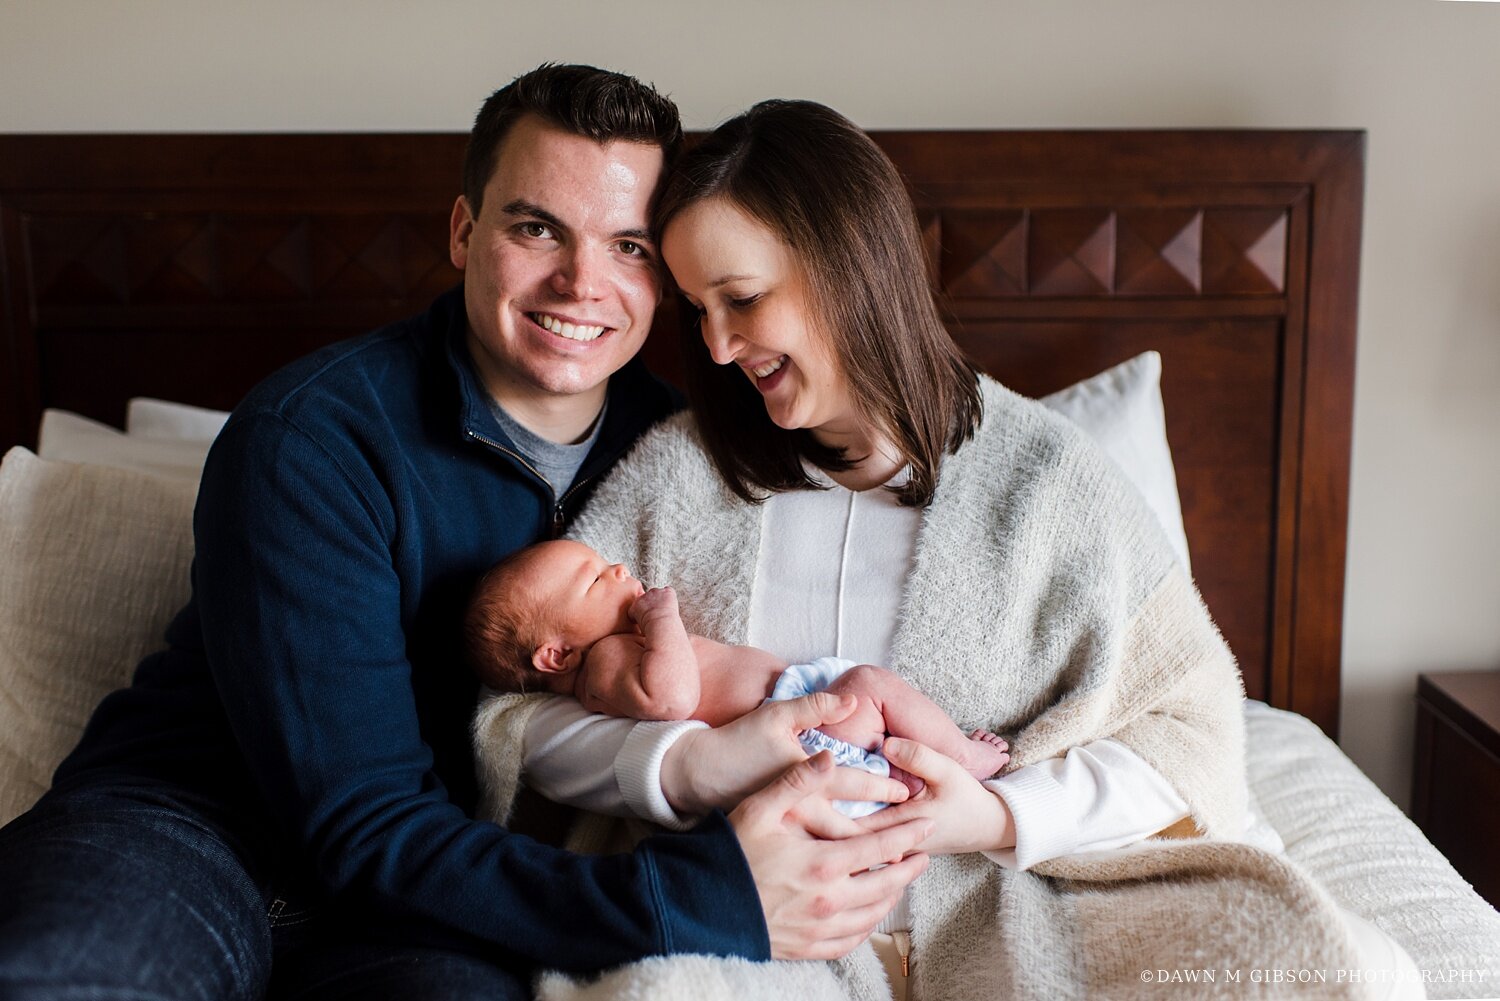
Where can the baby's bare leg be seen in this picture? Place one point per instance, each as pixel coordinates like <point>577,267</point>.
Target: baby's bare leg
<point>906,712</point>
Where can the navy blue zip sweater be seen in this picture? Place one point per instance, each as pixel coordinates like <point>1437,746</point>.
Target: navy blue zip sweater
<point>313,681</point>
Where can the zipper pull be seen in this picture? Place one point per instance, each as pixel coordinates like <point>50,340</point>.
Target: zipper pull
<point>557,521</point>
<point>903,948</point>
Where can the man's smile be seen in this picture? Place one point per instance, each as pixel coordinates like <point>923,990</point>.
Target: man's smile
<point>572,330</point>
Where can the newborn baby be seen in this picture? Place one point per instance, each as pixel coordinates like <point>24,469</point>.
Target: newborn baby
<point>557,617</point>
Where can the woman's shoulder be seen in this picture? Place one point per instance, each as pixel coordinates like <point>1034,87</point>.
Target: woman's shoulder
<point>669,461</point>
<point>1022,462</point>
<point>1032,448</point>
<point>671,448</point>
<point>1024,449</point>
<point>1028,428</point>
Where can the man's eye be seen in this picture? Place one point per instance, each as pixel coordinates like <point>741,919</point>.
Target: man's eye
<point>535,230</point>
<point>632,249</point>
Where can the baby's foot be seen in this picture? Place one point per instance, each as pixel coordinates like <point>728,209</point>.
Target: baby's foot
<point>913,784</point>
<point>987,754</point>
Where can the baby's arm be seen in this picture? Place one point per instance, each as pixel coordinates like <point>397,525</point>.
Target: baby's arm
<point>653,676</point>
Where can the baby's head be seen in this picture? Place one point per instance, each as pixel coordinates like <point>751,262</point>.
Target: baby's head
<point>535,614</point>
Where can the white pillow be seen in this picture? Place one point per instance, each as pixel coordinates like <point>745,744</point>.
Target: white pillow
<point>95,565</point>
<point>1121,409</point>
<point>67,437</point>
<point>161,419</point>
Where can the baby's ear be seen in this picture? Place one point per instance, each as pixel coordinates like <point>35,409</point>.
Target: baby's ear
<point>553,657</point>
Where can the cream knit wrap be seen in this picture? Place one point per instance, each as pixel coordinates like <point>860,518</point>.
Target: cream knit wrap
<point>1044,603</point>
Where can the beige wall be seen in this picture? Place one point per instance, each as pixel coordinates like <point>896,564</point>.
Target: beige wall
<point>1421,75</point>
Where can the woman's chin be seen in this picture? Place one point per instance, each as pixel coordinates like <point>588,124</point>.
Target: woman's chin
<point>782,419</point>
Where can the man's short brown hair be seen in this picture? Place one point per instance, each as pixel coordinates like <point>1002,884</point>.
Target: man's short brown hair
<point>584,100</point>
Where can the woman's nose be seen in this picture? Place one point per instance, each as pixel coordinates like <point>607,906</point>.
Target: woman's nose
<point>723,345</point>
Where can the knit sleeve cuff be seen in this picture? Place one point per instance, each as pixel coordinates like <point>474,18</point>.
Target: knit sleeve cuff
<point>1041,814</point>
<point>1098,796</point>
<point>638,771</point>
<point>706,897</point>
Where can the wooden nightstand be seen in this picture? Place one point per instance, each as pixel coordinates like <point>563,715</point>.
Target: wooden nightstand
<point>1456,779</point>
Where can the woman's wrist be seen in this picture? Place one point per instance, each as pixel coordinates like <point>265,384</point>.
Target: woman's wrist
<point>982,823</point>
<point>1003,837</point>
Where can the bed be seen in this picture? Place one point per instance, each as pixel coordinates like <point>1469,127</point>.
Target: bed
<point>186,267</point>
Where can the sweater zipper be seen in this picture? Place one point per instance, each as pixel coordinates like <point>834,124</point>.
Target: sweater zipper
<point>557,510</point>
<point>558,514</point>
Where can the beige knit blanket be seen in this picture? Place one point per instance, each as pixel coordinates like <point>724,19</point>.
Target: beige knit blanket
<point>1044,602</point>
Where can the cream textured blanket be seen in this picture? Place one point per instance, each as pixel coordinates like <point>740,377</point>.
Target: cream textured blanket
<point>1044,603</point>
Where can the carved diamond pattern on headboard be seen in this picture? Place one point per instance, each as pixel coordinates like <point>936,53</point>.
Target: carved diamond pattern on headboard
<point>1160,252</point>
<point>1244,250</point>
<point>983,253</point>
<point>85,256</point>
<point>1072,252</point>
<point>187,257</point>
<point>1101,252</point>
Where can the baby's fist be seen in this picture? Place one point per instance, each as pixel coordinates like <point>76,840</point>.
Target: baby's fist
<point>656,601</point>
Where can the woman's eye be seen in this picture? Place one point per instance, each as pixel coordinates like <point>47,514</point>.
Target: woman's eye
<point>744,301</point>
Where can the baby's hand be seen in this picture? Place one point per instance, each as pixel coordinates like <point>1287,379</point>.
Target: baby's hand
<point>655,603</point>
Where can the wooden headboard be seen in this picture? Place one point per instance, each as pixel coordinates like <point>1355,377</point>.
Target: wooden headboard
<point>189,266</point>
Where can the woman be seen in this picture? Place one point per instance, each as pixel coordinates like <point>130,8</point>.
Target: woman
<point>850,486</point>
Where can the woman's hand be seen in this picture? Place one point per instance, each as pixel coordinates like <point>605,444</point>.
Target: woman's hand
<point>821,898</point>
<point>966,816</point>
<point>719,767</point>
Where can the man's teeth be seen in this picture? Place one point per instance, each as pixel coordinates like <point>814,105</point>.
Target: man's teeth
<point>572,331</point>
<point>761,371</point>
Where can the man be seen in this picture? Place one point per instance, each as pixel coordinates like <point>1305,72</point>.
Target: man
<point>280,802</point>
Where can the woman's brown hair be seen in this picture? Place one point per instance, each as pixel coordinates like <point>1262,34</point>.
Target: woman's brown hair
<point>836,200</point>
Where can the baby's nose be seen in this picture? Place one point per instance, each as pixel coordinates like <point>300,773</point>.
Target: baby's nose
<point>619,571</point>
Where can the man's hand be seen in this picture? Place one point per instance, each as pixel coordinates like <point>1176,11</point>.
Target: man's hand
<point>719,767</point>
<point>966,816</point>
<point>821,898</point>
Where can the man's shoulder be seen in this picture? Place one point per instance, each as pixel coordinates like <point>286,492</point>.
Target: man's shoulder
<point>639,399</point>
<point>362,401</point>
<point>348,372</point>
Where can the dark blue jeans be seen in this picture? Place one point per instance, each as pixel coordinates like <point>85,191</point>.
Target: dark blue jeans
<point>136,891</point>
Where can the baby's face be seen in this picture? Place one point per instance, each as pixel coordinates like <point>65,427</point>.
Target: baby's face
<point>589,597</point>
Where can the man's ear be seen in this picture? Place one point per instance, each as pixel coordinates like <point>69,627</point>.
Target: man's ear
<point>460,229</point>
<point>553,657</point>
